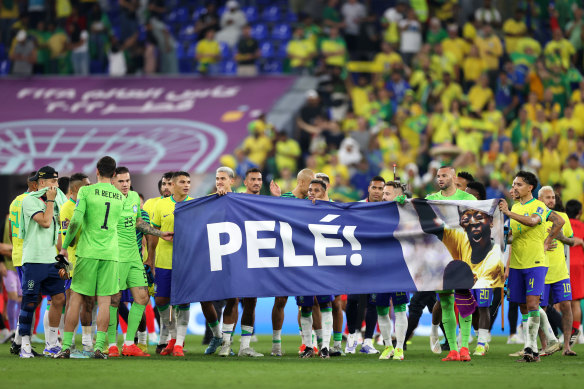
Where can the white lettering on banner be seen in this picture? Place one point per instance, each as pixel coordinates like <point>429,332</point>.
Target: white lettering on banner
<point>255,244</point>
<point>46,93</point>
<point>290,259</point>
<point>216,249</point>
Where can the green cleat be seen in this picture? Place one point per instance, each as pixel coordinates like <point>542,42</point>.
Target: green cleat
<point>480,351</point>
<point>398,355</point>
<point>387,353</point>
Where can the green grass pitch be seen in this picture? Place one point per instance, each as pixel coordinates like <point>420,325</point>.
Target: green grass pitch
<point>420,369</point>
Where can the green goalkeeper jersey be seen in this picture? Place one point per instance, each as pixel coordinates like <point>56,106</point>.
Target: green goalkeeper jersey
<point>458,195</point>
<point>127,229</point>
<point>99,206</point>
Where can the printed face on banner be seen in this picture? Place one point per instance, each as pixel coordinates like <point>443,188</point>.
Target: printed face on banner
<point>458,244</point>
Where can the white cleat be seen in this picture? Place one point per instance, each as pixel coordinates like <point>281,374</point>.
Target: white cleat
<point>351,345</point>
<point>435,344</point>
<point>249,352</point>
<point>225,350</point>
<point>276,350</point>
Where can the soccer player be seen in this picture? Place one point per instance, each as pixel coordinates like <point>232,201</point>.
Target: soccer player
<point>303,179</point>
<point>163,219</point>
<point>76,182</point>
<point>164,188</point>
<point>39,231</point>
<point>130,267</point>
<point>391,191</point>
<point>253,185</point>
<point>449,191</point>
<point>316,191</point>
<point>98,210</point>
<point>355,302</point>
<point>557,279</point>
<point>527,264</point>
<point>15,210</point>
<point>462,180</point>
<point>574,211</point>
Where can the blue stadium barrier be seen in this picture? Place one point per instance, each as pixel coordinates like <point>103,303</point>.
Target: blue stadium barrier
<point>282,32</point>
<point>259,32</point>
<point>281,52</point>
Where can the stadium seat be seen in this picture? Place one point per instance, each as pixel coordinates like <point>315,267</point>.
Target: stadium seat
<point>271,14</point>
<point>3,54</point>
<point>267,50</point>
<point>281,52</point>
<point>171,17</point>
<point>251,14</point>
<point>182,15</point>
<point>185,65</point>
<point>220,11</point>
<point>192,50</point>
<point>4,67</point>
<point>282,32</point>
<point>259,32</point>
<point>225,51</point>
<point>187,34</point>
<point>272,67</point>
<point>291,17</point>
<point>229,67</point>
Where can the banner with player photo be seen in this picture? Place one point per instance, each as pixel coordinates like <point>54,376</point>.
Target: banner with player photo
<point>241,245</point>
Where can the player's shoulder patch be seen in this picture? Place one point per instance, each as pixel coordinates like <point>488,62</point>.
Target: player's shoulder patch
<point>539,210</point>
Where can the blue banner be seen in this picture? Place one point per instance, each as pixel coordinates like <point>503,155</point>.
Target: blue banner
<point>241,245</point>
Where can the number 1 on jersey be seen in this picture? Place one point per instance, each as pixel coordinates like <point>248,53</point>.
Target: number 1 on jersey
<point>107,208</point>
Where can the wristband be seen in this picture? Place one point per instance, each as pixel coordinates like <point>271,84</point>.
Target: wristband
<point>50,201</point>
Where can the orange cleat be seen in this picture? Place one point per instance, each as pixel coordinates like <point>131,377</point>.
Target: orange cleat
<point>113,352</point>
<point>301,349</point>
<point>453,355</point>
<point>464,354</point>
<point>169,347</point>
<point>133,351</point>
<point>178,351</point>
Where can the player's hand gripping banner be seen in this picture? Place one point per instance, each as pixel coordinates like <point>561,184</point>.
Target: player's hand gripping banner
<point>242,245</point>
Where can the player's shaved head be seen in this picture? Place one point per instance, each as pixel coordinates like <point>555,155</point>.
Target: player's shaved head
<point>303,182</point>
<point>305,175</point>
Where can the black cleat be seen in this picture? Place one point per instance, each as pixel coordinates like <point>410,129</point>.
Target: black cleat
<point>63,354</point>
<point>574,336</point>
<point>160,347</point>
<point>445,346</point>
<point>324,353</point>
<point>529,355</point>
<point>36,355</point>
<point>98,354</point>
<point>308,353</point>
<point>15,349</point>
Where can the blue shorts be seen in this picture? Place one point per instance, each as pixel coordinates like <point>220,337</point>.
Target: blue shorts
<point>526,282</point>
<point>483,297</point>
<point>41,278</point>
<point>19,272</point>
<point>162,279</point>
<point>560,291</point>
<point>382,299</point>
<point>127,296</point>
<point>68,284</point>
<point>308,301</point>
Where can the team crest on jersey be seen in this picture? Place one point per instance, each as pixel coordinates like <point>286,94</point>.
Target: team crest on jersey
<point>539,210</point>
<point>30,284</point>
<point>135,209</point>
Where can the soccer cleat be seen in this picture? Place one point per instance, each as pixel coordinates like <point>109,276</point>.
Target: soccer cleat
<point>113,352</point>
<point>435,344</point>
<point>77,354</point>
<point>387,353</point>
<point>160,347</point>
<point>63,354</point>
<point>15,348</point>
<point>133,351</point>
<point>551,348</point>
<point>214,344</point>
<point>337,351</point>
<point>178,351</point>
<point>307,353</point>
<point>225,350</point>
<point>35,339</point>
<point>517,354</point>
<point>398,355</point>
<point>527,355</point>
<point>301,349</point>
<point>98,354</point>
<point>351,345</point>
<point>452,356</point>
<point>480,351</point>
<point>6,335</point>
<point>464,354</point>
<point>276,350</point>
<point>169,347</point>
<point>324,353</point>
<point>143,347</point>
<point>574,336</point>
<point>249,352</point>
<point>25,354</point>
<point>367,349</point>
<point>51,352</point>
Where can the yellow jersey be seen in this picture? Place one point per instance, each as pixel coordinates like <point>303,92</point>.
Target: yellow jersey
<point>488,273</point>
<point>65,217</point>
<point>207,47</point>
<point>334,46</point>
<point>164,219</point>
<point>302,48</point>
<point>556,259</point>
<point>527,247</point>
<point>15,210</point>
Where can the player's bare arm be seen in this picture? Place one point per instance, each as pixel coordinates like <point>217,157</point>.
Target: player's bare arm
<point>147,229</point>
<point>529,221</point>
<point>557,224</point>
<point>564,239</point>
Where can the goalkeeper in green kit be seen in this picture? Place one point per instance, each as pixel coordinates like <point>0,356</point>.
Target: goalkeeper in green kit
<point>98,211</point>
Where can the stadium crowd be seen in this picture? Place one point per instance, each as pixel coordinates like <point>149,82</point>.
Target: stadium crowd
<point>418,89</point>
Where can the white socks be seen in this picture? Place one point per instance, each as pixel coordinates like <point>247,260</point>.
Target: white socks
<point>277,336</point>
<point>533,327</point>
<point>306,325</point>
<point>142,337</point>
<point>51,337</point>
<point>246,332</point>
<point>227,332</point>
<point>182,324</point>
<point>483,336</point>
<point>86,338</point>
<point>386,328</point>
<point>435,331</point>
<point>401,327</point>
<point>327,328</point>
<point>545,326</point>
